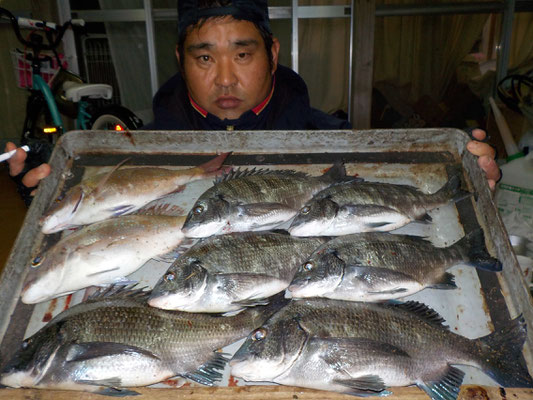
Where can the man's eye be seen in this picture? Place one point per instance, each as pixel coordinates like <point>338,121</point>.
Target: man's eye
<point>243,56</point>
<point>203,58</point>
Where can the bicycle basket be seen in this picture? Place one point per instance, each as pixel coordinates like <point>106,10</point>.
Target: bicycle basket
<point>23,71</point>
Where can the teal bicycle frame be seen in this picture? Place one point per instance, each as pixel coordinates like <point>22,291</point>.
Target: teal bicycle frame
<point>83,116</point>
<point>40,85</point>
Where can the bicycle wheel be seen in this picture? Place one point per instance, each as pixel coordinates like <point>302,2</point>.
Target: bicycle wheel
<point>115,118</point>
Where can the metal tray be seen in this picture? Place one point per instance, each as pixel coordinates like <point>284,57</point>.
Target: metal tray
<point>424,158</point>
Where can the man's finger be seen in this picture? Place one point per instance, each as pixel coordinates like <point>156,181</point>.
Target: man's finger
<point>479,134</point>
<point>480,149</point>
<point>487,164</point>
<point>16,163</point>
<point>34,176</point>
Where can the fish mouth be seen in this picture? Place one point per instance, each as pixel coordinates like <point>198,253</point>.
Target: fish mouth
<point>302,289</point>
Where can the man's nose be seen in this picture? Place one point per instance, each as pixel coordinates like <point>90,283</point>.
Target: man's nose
<point>225,74</point>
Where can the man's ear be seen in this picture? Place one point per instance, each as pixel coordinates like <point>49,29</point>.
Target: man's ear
<point>275,53</point>
<point>177,54</point>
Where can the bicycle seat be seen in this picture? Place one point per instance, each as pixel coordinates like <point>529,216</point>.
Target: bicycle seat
<point>75,91</point>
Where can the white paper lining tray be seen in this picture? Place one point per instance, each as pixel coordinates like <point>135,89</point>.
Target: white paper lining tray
<point>424,158</point>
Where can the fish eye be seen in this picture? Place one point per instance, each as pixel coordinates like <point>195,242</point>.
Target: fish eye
<point>37,261</point>
<point>170,276</point>
<point>309,265</point>
<point>305,210</point>
<point>259,334</point>
<point>60,198</point>
<point>198,209</point>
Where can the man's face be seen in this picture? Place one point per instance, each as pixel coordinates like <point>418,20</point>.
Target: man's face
<point>226,66</point>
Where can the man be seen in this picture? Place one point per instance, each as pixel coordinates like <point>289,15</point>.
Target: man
<point>229,79</point>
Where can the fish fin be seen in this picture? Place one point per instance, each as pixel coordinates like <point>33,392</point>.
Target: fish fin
<point>236,283</point>
<point>124,281</point>
<point>423,311</point>
<point>113,391</point>
<point>383,215</point>
<point>473,244</point>
<point>258,209</point>
<point>251,302</point>
<point>120,291</point>
<point>365,386</point>
<point>451,190</point>
<point>379,280</point>
<point>207,374</point>
<point>501,357</point>
<point>121,210</point>
<point>424,219</point>
<point>215,163</point>
<point>91,350</point>
<point>391,291</point>
<point>101,183</point>
<point>241,173</point>
<point>446,388</point>
<point>339,349</point>
<point>166,209</point>
<point>176,252</point>
<point>336,173</point>
<point>112,387</point>
<point>445,282</point>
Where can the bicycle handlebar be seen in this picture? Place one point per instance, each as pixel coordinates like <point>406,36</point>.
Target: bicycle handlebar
<point>27,23</point>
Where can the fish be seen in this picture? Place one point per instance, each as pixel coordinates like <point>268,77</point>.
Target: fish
<point>227,273</point>
<point>116,341</point>
<point>377,266</point>
<point>356,207</point>
<point>363,349</point>
<point>119,192</point>
<point>101,253</point>
<point>255,200</point>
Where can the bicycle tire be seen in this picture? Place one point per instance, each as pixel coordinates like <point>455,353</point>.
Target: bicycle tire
<point>106,118</point>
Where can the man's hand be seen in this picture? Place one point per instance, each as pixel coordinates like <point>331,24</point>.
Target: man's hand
<point>486,154</point>
<point>16,166</point>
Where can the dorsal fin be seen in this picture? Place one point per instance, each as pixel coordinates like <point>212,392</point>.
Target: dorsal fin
<point>241,173</point>
<point>423,311</point>
<point>106,177</point>
<point>120,291</point>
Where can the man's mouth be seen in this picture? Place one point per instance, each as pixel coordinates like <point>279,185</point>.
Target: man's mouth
<point>228,102</point>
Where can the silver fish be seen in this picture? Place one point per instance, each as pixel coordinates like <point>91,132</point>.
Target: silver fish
<point>356,207</point>
<point>364,348</point>
<point>228,272</point>
<point>119,192</point>
<point>101,253</point>
<point>382,266</point>
<point>116,341</point>
<point>254,200</point>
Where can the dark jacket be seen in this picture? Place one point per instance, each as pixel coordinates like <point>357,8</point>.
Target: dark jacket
<point>289,109</point>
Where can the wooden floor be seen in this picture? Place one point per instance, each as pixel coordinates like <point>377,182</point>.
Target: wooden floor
<point>12,212</point>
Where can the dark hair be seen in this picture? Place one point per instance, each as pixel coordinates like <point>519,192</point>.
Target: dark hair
<point>264,30</point>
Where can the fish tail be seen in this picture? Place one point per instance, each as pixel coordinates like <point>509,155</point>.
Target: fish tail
<point>452,191</point>
<point>274,303</point>
<point>337,173</point>
<point>501,355</point>
<point>473,245</point>
<point>214,164</point>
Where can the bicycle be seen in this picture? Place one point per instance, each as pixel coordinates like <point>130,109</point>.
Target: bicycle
<point>54,90</point>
